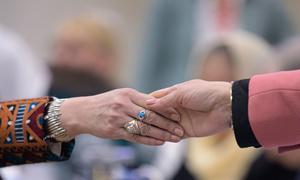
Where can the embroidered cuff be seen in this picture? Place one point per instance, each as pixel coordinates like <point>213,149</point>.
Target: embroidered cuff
<point>22,133</point>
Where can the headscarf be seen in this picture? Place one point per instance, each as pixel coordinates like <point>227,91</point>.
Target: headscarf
<point>219,157</point>
<point>250,52</point>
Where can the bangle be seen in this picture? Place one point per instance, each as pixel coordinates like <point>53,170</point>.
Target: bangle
<point>230,98</point>
<point>56,131</point>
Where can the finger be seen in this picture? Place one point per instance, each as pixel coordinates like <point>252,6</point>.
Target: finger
<point>154,132</point>
<point>140,139</point>
<point>159,121</point>
<point>142,100</point>
<point>165,106</point>
<point>162,92</point>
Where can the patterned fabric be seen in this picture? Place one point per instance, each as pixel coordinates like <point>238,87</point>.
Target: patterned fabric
<point>22,133</point>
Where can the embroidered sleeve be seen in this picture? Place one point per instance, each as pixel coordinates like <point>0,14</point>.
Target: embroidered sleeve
<point>22,133</point>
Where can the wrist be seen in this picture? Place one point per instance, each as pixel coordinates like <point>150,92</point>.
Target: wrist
<point>228,99</point>
<point>72,117</point>
<point>225,101</point>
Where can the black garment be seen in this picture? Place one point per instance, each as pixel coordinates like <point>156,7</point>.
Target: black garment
<point>241,125</point>
<point>183,173</point>
<point>69,83</point>
<point>264,169</point>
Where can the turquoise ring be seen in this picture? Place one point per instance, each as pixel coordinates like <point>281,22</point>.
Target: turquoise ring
<point>141,115</point>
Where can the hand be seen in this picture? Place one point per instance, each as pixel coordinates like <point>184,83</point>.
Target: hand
<point>105,115</point>
<point>204,107</point>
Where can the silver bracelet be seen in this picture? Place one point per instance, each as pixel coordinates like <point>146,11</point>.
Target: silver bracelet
<point>56,131</point>
<point>231,122</point>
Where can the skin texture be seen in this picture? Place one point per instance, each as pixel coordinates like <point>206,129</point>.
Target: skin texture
<point>104,116</point>
<point>203,107</point>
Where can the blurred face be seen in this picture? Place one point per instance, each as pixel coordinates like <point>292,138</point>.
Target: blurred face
<point>216,67</point>
<point>80,54</point>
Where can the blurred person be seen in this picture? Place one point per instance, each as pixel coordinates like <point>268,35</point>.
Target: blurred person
<point>88,43</point>
<point>85,56</point>
<point>85,61</point>
<point>175,27</point>
<point>37,127</point>
<point>223,59</point>
<point>230,57</point>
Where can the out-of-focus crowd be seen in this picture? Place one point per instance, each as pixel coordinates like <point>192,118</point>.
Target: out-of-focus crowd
<point>215,40</point>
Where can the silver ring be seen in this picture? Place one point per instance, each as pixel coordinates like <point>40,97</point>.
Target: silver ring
<point>133,127</point>
<point>142,115</point>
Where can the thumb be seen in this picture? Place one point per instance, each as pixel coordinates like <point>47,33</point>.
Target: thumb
<point>162,92</point>
<point>165,104</point>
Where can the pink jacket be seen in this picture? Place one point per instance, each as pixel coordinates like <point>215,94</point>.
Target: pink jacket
<point>274,109</point>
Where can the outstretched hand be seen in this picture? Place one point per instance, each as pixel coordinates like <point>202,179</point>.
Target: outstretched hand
<point>204,108</point>
<point>105,115</point>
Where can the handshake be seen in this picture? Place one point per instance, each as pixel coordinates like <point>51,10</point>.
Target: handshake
<point>194,108</point>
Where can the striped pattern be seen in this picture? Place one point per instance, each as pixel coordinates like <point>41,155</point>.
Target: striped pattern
<point>19,124</point>
<point>22,133</point>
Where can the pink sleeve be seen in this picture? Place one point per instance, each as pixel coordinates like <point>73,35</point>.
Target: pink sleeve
<point>274,109</point>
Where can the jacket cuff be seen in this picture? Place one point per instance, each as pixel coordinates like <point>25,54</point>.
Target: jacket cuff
<point>23,132</point>
<point>241,126</point>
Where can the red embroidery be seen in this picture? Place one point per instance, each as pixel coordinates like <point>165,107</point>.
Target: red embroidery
<point>22,124</point>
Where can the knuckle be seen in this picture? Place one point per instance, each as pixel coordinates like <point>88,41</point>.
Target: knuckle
<point>113,119</point>
<point>127,91</point>
<point>150,117</point>
<point>118,103</point>
<point>145,129</point>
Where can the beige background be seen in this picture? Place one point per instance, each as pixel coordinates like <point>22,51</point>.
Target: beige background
<point>37,20</point>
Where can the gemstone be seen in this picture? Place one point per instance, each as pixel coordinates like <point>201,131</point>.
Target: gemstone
<point>142,114</point>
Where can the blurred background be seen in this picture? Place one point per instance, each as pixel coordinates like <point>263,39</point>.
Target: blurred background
<point>76,48</point>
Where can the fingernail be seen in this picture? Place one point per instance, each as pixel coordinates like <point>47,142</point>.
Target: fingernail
<point>175,138</point>
<point>179,132</point>
<point>175,117</point>
<point>151,101</point>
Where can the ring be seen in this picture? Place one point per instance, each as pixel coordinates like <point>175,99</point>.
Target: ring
<point>133,127</point>
<point>142,115</point>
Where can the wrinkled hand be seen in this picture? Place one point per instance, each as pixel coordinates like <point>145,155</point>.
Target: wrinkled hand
<point>105,115</point>
<point>204,107</point>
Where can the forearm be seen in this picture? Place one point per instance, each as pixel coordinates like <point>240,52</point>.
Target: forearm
<point>269,114</point>
<point>23,132</point>
<point>274,108</point>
